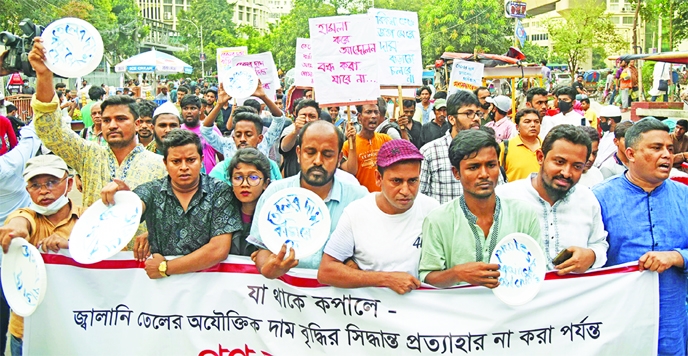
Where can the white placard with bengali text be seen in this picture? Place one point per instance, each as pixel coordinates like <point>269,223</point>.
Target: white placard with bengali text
<point>303,77</point>
<point>225,56</point>
<point>400,60</point>
<point>345,62</point>
<point>113,308</point>
<point>264,65</point>
<point>465,75</point>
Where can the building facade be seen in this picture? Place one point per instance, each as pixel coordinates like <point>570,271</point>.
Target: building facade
<point>621,14</point>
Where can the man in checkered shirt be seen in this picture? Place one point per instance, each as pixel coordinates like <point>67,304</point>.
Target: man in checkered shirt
<point>436,177</point>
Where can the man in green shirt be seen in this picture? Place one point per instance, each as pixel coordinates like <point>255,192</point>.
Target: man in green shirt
<point>459,236</point>
<point>95,94</point>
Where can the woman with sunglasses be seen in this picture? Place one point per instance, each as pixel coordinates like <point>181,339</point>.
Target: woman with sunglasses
<point>249,175</point>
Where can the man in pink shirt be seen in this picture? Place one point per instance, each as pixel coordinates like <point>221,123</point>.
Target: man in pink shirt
<point>502,124</point>
<point>191,113</point>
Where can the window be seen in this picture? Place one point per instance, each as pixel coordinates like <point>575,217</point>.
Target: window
<point>615,20</point>
<point>180,2</point>
<point>628,20</point>
<point>614,5</point>
<point>241,16</point>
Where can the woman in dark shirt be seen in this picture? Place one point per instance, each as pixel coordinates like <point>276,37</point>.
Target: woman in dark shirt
<point>249,172</point>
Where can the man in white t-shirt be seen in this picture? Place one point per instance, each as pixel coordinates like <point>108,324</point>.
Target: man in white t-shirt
<point>381,232</point>
<point>567,116</point>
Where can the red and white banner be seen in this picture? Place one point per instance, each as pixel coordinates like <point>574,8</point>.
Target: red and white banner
<point>113,308</point>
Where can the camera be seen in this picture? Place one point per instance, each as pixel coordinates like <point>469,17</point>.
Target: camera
<point>18,47</point>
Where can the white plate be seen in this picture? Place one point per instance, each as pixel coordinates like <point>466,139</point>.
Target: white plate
<point>103,231</point>
<point>240,82</point>
<point>522,268</point>
<point>73,46</point>
<point>24,280</point>
<point>297,217</point>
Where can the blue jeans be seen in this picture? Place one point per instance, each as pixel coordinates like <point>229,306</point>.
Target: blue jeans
<point>611,97</point>
<point>654,98</point>
<point>16,345</point>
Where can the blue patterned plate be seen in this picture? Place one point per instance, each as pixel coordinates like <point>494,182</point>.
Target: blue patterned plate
<point>73,46</point>
<point>102,231</point>
<point>522,268</point>
<point>240,82</point>
<point>296,217</point>
<point>24,278</point>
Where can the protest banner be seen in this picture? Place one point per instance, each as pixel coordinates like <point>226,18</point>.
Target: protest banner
<point>465,75</point>
<point>264,65</point>
<point>225,56</point>
<point>399,54</point>
<point>303,78</point>
<point>345,68</point>
<point>113,308</point>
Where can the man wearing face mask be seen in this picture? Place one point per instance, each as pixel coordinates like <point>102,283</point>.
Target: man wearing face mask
<point>566,97</point>
<point>47,222</point>
<point>500,122</point>
<point>610,116</point>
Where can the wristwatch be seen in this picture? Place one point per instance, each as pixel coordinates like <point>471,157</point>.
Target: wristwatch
<point>162,268</point>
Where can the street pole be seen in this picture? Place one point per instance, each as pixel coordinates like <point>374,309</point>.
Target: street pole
<point>202,62</point>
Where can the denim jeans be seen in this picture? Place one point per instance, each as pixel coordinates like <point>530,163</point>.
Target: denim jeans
<point>611,97</point>
<point>654,98</point>
<point>16,345</point>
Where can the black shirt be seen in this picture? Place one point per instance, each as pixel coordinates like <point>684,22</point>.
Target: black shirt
<point>414,134</point>
<point>577,85</point>
<point>431,131</point>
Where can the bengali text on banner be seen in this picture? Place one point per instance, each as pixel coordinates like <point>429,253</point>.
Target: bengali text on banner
<point>113,308</point>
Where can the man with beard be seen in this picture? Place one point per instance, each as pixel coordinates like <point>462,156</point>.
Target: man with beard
<point>144,124</point>
<point>642,212</point>
<point>369,227</point>
<point>460,236</point>
<point>191,113</point>
<point>319,145</point>
<point>165,119</point>
<point>436,177</point>
<point>569,213</point>
<point>361,158</point>
<point>437,127</point>
<point>123,159</point>
<point>482,94</point>
<point>609,117</point>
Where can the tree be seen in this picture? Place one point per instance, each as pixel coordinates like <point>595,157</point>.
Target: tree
<point>535,53</point>
<point>463,26</point>
<point>215,17</point>
<point>581,29</point>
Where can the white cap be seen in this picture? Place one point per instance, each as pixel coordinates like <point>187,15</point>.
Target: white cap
<point>166,108</point>
<point>503,103</point>
<point>610,111</point>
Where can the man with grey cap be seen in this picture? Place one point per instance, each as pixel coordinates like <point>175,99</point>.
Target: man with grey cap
<point>381,232</point>
<point>47,222</point>
<point>165,118</point>
<point>436,127</point>
<point>501,123</point>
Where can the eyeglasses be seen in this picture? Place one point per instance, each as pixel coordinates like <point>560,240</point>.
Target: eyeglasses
<point>471,114</point>
<point>51,184</point>
<point>252,180</point>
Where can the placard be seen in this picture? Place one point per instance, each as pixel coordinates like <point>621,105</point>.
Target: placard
<point>303,76</point>
<point>225,56</point>
<point>264,65</point>
<point>345,61</point>
<point>400,60</point>
<point>465,75</point>
<point>113,308</point>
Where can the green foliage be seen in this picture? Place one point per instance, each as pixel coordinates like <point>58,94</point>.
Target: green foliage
<point>598,57</point>
<point>535,53</point>
<point>464,25</point>
<point>582,28</point>
<point>215,18</point>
